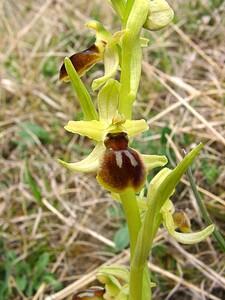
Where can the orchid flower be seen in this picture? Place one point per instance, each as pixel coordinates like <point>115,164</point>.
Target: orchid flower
<point>110,128</point>
<point>106,48</point>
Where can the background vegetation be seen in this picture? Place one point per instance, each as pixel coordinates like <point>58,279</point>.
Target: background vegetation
<point>57,227</point>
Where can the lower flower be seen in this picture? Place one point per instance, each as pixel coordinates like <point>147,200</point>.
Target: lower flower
<point>120,166</point>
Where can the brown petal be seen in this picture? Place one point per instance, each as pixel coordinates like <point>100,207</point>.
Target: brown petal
<point>82,62</point>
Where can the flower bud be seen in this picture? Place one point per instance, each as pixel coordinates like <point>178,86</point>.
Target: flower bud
<point>83,61</point>
<point>120,166</point>
<point>159,16</point>
<point>181,220</point>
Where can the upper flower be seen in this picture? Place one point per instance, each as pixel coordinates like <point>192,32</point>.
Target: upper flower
<point>106,48</point>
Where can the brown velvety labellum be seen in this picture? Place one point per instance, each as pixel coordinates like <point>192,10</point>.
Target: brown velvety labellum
<point>90,294</point>
<point>120,167</point>
<point>82,62</point>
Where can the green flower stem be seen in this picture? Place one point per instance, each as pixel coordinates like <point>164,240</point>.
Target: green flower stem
<point>129,202</point>
<point>149,228</point>
<point>139,276</point>
<point>130,48</point>
<point>140,290</point>
<point>204,211</point>
<point>136,283</point>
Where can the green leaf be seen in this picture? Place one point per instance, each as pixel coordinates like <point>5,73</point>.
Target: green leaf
<point>57,285</point>
<point>21,282</point>
<point>4,291</point>
<point>88,164</point>
<point>42,262</point>
<point>30,129</point>
<point>32,183</point>
<point>119,7</point>
<point>165,131</point>
<point>48,277</point>
<point>50,67</point>
<point>121,238</point>
<point>29,290</point>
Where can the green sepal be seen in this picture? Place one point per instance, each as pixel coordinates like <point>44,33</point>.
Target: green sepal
<point>89,164</point>
<point>84,97</point>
